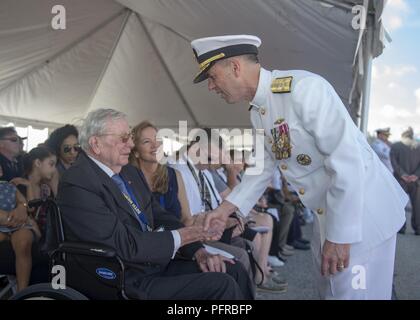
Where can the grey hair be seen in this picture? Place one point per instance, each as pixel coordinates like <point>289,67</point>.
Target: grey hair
<point>408,133</point>
<point>95,124</point>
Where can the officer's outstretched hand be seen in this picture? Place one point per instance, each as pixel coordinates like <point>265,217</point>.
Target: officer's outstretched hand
<point>214,222</point>
<point>214,231</point>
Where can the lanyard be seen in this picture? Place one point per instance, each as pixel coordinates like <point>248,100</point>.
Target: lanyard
<point>221,177</point>
<point>131,199</point>
<point>212,190</point>
<point>200,187</point>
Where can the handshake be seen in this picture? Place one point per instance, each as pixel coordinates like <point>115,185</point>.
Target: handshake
<point>208,226</point>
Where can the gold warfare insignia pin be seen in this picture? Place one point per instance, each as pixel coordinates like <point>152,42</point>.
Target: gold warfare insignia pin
<point>282,85</point>
<point>304,159</point>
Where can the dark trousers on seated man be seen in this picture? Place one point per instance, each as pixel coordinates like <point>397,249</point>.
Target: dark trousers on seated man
<point>183,280</point>
<point>95,210</point>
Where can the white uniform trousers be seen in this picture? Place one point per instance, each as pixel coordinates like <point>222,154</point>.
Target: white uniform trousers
<point>369,276</point>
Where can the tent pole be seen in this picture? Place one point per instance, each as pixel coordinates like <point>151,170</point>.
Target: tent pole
<point>168,72</point>
<point>367,79</point>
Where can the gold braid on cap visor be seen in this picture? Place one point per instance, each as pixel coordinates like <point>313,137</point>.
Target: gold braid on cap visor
<point>204,65</point>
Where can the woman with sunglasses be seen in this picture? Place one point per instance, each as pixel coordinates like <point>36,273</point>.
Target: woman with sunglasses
<point>64,143</point>
<point>9,153</point>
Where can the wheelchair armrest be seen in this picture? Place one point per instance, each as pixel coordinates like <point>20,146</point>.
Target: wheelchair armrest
<point>87,249</point>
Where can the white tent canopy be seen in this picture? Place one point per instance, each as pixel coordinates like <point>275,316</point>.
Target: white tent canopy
<point>135,55</point>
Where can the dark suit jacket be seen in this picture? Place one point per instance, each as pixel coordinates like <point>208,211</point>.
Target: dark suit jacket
<point>405,160</point>
<point>94,210</point>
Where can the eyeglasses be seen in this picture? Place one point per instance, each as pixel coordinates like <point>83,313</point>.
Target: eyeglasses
<point>124,137</point>
<point>12,139</point>
<point>67,149</point>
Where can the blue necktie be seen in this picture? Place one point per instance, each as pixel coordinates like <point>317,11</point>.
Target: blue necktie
<point>123,188</point>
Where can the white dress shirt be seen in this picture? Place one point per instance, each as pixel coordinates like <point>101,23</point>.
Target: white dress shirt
<point>192,188</point>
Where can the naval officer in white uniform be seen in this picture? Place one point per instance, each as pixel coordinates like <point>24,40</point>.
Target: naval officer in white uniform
<point>322,154</point>
<point>382,147</point>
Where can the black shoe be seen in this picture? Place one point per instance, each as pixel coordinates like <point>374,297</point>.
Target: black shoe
<point>281,257</point>
<point>304,241</point>
<point>417,233</point>
<point>300,246</point>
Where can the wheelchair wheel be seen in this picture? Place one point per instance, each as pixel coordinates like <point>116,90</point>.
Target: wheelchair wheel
<point>44,291</point>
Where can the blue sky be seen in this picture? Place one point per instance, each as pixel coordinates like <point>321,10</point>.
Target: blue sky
<point>395,96</point>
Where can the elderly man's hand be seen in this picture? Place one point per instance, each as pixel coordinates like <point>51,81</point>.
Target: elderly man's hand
<point>191,234</point>
<point>211,263</point>
<point>335,257</point>
<point>197,233</point>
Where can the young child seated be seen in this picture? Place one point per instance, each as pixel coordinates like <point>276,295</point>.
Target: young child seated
<point>18,228</point>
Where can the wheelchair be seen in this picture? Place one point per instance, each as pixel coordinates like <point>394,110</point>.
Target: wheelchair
<point>91,270</point>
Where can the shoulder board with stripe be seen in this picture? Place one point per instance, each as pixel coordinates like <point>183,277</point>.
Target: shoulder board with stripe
<point>282,85</point>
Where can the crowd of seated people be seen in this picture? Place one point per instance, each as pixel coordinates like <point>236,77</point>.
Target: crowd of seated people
<point>22,230</point>
<point>113,189</point>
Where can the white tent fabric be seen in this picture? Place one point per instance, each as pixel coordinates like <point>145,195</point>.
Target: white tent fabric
<point>135,56</point>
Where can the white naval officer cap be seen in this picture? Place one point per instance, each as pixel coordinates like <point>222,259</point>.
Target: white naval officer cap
<point>386,131</point>
<point>212,49</point>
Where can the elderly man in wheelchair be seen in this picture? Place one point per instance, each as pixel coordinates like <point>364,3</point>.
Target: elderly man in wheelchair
<point>112,240</point>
